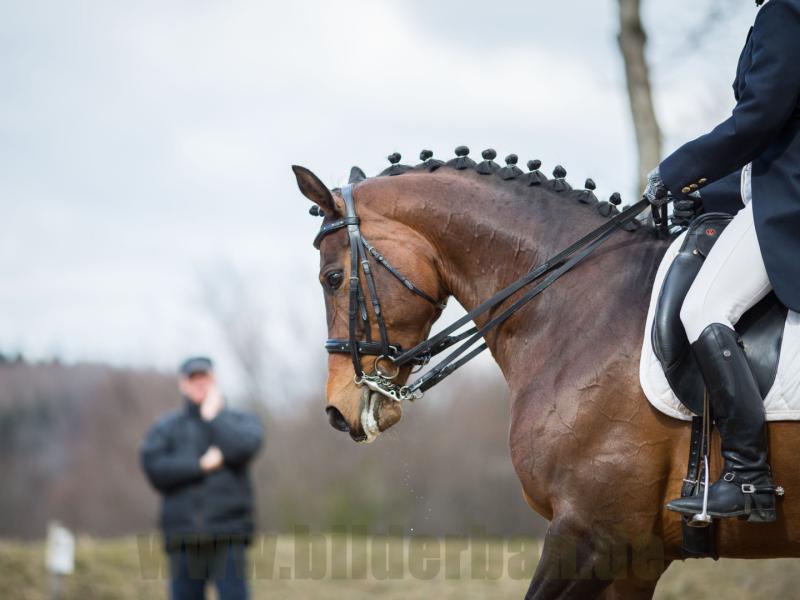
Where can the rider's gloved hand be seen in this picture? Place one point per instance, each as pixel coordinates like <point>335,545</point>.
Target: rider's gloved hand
<point>656,192</point>
<point>684,210</point>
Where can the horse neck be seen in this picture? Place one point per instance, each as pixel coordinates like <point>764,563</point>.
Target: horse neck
<point>489,233</point>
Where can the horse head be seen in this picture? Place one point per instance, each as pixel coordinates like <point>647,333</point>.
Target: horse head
<point>386,308</point>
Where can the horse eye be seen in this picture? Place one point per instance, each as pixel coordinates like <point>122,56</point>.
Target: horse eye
<point>334,279</point>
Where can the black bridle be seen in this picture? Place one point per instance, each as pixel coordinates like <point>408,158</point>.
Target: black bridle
<point>384,351</point>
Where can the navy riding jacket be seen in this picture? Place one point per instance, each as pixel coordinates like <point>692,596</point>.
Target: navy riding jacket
<point>765,129</point>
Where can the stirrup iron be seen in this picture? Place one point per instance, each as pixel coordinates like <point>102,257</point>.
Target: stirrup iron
<point>703,519</point>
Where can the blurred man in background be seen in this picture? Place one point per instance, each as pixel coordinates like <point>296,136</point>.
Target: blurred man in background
<point>197,458</point>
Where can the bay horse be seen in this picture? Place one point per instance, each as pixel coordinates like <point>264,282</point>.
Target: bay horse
<point>593,456</point>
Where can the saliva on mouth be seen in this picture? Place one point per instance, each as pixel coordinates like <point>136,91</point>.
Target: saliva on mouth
<point>370,402</point>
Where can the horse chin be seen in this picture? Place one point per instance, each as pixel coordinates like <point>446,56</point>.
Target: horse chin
<point>378,413</point>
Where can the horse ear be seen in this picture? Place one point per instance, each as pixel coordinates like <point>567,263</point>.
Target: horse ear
<point>356,175</point>
<point>312,188</point>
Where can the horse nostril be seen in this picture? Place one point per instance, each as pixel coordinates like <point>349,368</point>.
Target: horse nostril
<point>336,419</point>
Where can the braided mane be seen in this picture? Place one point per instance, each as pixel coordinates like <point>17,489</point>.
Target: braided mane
<point>508,174</point>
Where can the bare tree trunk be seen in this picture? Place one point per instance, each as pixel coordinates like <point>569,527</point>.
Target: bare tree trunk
<point>632,40</point>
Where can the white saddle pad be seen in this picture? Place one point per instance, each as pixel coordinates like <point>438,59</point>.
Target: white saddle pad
<point>783,400</point>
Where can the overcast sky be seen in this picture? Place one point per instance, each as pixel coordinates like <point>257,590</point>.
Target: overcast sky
<point>145,146</point>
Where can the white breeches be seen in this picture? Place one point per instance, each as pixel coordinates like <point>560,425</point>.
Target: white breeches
<point>733,277</point>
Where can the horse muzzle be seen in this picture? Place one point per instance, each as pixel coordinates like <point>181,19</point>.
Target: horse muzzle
<point>376,414</point>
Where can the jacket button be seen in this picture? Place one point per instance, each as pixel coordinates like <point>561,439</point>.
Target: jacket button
<point>703,181</point>
<point>694,186</point>
<point>687,190</point>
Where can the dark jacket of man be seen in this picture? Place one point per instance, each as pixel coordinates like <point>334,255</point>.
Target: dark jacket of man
<point>765,129</point>
<point>194,502</point>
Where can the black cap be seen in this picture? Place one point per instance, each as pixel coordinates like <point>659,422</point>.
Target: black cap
<point>196,364</point>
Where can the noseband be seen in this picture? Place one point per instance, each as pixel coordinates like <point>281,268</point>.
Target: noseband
<point>380,380</point>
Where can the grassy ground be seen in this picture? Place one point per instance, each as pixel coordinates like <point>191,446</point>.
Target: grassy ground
<point>133,568</point>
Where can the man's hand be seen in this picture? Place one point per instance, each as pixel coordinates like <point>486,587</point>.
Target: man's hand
<point>212,404</point>
<point>211,460</point>
<point>656,192</point>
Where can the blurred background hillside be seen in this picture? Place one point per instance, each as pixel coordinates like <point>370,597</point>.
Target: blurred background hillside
<point>69,438</point>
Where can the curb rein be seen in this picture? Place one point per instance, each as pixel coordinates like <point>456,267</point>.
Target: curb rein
<point>380,380</point>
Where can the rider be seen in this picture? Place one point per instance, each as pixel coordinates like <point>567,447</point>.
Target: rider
<point>758,147</point>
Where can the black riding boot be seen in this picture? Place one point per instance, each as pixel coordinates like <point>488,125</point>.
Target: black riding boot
<point>746,488</point>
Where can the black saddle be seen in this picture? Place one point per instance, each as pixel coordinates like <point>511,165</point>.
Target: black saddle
<point>761,327</point>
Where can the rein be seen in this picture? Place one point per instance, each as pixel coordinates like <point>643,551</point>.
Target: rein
<point>381,381</point>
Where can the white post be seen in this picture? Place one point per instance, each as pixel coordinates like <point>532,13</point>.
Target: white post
<point>60,556</point>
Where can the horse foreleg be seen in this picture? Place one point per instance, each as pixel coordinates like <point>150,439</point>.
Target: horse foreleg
<point>631,589</point>
<point>573,565</point>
